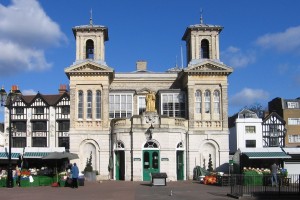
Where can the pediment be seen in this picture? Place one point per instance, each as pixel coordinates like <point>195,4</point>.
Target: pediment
<point>88,67</point>
<point>208,66</point>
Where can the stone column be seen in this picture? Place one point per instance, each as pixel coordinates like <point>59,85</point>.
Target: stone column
<point>225,106</point>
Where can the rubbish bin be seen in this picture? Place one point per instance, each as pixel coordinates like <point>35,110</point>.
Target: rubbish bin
<point>81,181</point>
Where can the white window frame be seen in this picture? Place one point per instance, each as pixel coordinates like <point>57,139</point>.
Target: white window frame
<point>198,102</point>
<point>207,101</point>
<point>217,100</point>
<point>98,104</point>
<point>120,105</point>
<point>89,104</point>
<point>294,138</point>
<point>250,129</point>
<point>293,121</point>
<point>292,104</point>
<point>141,105</point>
<point>175,100</point>
<point>80,104</point>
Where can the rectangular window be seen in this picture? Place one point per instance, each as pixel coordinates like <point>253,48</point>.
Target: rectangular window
<point>65,110</point>
<point>251,143</point>
<point>39,110</point>
<point>294,138</point>
<point>292,104</point>
<point>293,121</point>
<point>20,126</point>
<point>19,142</point>
<point>141,104</point>
<point>39,126</point>
<point>64,142</point>
<point>250,129</point>
<point>63,125</point>
<point>120,105</point>
<point>19,111</point>
<point>98,105</point>
<point>173,105</point>
<point>39,142</point>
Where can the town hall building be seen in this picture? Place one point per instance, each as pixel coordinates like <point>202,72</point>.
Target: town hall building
<point>137,123</point>
<point>140,122</point>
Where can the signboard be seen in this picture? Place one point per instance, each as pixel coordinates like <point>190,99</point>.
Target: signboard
<point>136,159</point>
<point>164,159</point>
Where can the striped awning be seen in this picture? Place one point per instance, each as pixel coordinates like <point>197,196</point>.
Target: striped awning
<point>35,154</point>
<point>4,155</point>
<point>266,155</point>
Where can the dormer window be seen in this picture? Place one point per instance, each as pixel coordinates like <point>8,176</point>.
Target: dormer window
<point>89,49</point>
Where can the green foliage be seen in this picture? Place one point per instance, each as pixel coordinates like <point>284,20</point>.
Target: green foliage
<point>210,168</point>
<point>89,167</point>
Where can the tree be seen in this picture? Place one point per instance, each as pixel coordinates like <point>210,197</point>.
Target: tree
<point>89,167</point>
<point>257,108</point>
<point>210,168</point>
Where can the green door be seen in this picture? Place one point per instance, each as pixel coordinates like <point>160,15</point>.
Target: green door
<point>150,163</point>
<point>117,164</point>
<point>180,165</point>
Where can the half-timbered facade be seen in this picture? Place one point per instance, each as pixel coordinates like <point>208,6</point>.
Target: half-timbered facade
<point>40,120</point>
<point>273,131</point>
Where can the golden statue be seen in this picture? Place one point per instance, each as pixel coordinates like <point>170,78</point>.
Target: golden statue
<point>150,102</point>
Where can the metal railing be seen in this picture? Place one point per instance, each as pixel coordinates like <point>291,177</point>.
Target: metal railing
<point>252,185</point>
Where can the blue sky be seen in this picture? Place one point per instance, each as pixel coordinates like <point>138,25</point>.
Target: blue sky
<point>260,40</point>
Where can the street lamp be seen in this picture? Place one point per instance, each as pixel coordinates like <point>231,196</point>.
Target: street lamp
<point>7,100</point>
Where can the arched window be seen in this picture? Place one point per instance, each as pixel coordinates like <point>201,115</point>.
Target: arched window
<point>98,104</point>
<point>207,101</point>
<point>89,49</point>
<point>151,144</point>
<point>89,104</point>
<point>198,101</point>
<point>216,102</point>
<point>80,104</point>
<point>120,145</point>
<point>204,49</point>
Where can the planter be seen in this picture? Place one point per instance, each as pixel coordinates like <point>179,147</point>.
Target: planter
<point>90,176</point>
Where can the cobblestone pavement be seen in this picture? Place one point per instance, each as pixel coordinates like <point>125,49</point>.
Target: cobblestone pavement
<point>124,190</point>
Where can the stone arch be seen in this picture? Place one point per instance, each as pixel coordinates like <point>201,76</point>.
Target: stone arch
<point>86,148</point>
<point>206,148</point>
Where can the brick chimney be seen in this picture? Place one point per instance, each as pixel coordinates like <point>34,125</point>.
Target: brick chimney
<point>62,88</point>
<point>141,65</point>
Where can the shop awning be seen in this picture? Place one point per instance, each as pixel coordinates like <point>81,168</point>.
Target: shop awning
<point>35,154</point>
<point>4,155</point>
<point>266,155</point>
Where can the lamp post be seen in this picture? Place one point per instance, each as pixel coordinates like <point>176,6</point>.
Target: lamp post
<point>7,100</point>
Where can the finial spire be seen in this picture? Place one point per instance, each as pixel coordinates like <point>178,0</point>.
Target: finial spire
<point>91,18</point>
<point>201,18</point>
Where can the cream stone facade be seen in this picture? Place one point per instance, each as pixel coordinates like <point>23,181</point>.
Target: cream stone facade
<point>109,119</point>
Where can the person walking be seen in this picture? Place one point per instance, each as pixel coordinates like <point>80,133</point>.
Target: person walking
<point>75,173</point>
<point>274,169</point>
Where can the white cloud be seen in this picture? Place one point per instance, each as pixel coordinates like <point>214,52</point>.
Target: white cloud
<point>29,92</point>
<point>248,96</point>
<point>25,32</point>
<point>286,41</point>
<point>235,58</point>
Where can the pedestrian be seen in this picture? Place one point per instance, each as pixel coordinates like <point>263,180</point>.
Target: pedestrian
<point>75,173</point>
<point>274,169</point>
<point>18,176</point>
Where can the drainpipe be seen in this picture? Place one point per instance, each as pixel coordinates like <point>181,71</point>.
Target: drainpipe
<point>187,154</point>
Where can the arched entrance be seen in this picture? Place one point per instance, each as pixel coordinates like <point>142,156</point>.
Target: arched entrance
<point>120,161</point>
<point>180,161</point>
<point>151,159</point>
